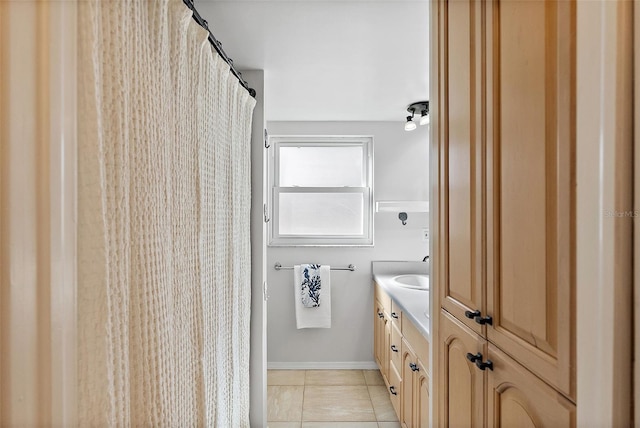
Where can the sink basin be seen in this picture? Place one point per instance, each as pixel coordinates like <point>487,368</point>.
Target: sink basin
<point>418,282</point>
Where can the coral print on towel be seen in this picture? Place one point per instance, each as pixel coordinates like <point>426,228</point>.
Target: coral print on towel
<point>310,287</point>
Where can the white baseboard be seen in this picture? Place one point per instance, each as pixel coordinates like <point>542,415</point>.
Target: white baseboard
<point>333,365</point>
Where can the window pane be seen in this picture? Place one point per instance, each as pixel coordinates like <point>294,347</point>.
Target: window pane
<point>321,214</point>
<point>330,166</point>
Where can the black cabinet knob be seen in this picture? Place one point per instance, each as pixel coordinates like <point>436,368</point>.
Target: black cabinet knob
<point>472,315</point>
<point>394,348</point>
<point>394,315</point>
<point>392,390</point>
<point>414,367</point>
<point>474,358</point>
<point>485,365</point>
<point>484,320</point>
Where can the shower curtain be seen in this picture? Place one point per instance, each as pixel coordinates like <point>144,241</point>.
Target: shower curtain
<point>163,222</point>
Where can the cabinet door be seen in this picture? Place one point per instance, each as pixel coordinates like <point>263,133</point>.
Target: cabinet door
<point>517,398</point>
<point>408,385</point>
<point>421,397</point>
<point>380,340</point>
<point>461,383</point>
<point>461,287</point>
<point>531,184</point>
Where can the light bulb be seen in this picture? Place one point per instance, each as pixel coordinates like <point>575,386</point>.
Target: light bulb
<point>424,119</point>
<point>410,125</point>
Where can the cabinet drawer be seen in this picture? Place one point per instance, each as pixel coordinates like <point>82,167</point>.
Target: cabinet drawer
<point>417,341</point>
<point>395,347</point>
<point>383,298</point>
<point>395,388</point>
<point>396,315</point>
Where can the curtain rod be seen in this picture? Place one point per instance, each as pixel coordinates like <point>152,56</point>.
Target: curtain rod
<point>218,46</point>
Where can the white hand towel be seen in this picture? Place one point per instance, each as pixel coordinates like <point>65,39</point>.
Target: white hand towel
<point>315,317</point>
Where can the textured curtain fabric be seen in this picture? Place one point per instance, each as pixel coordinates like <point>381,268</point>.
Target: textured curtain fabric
<point>163,222</point>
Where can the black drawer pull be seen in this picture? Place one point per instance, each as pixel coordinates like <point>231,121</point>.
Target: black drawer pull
<point>474,358</point>
<point>414,367</point>
<point>485,365</point>
<point>484,320</point>
<point>394,315</point>
<point>392,389</point>
<point>472,315</point>
<point>394,348</point>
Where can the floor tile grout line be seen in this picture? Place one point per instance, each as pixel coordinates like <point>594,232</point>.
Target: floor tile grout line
<point>372,406</point>
<point>304,390</point>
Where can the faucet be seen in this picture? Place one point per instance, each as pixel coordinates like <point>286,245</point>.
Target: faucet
<point>426,258</point>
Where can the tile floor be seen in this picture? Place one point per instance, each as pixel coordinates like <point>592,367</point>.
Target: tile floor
<point>328,399</point>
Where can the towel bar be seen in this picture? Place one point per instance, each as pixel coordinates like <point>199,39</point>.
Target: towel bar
<point>278,266</point>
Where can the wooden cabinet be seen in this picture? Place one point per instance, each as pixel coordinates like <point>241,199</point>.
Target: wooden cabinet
<point>505,130</point>
<point>408,387</point>
<point>461,175</point>
<point>381,339</point>
<point>421,398</point>
<point>395,347</point>
<point>402,353</point>
<point>530,179</point>
<point>395,388</point>
<point>414,410</point>
<point>517,398</point>
<point>460,382</point>
<point>514,396</point>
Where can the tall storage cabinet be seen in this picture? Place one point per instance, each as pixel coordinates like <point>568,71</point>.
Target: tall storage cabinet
<point>505,131</point>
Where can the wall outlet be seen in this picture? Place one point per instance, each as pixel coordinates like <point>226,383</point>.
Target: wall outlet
<point>425,234</point>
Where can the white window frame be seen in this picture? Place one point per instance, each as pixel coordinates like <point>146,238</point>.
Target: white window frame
<point>278,240</point>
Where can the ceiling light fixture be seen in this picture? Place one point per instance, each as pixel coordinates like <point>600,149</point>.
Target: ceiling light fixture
<point>410,125</point>
<point>423,108</point>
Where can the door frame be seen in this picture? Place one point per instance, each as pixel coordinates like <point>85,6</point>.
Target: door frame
<point>38,65</point>
<point>604,264</point>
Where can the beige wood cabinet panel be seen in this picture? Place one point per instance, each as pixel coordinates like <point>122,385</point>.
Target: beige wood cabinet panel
<point>381,340</point>
<point>418,342</point>
<point>381,296</point>
<point>414,411</point>
<point>421,397</point>
<point>408,385</point>
<point>396,315</point>
<point>517,398</point>
<point>395,387</point>
<point>460,383</point>
<point>531,184</point>
<point>395,346</point>
<point>461,177</point>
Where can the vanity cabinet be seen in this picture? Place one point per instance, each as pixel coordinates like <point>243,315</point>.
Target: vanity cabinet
<point>402,353</point>
<point>505,133</point>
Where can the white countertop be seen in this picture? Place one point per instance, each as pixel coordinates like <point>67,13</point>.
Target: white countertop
<point>414,303</point>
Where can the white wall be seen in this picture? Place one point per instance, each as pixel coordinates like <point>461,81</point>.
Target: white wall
<point>400,173</point>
